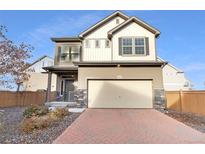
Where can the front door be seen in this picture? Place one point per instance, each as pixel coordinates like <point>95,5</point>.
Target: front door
<point>69,91</point>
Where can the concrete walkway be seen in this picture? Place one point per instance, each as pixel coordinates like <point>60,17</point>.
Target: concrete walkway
<point>128,126</point>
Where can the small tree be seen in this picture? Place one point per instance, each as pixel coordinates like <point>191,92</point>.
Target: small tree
<point>13,60</point>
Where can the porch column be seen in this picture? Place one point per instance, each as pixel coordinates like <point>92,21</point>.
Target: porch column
<point>48,87</point>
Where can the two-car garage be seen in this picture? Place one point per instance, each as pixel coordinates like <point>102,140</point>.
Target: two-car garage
<point>120,93</point>
<point>120,87</point>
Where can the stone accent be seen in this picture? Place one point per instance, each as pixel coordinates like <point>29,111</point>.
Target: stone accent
<point>80,96</point>
<point>159,99</point>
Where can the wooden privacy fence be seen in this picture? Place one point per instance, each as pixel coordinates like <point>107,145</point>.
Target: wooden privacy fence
<point>25,98</point>
<point>186,101</point>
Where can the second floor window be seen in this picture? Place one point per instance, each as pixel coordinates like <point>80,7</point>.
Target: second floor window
<point>127,46</point>
<point>59,53</point>
<point>139,45</point>
<point>107,43</point>
<point>97,43</point>
<point>69,53</point>
<point>133,46</point>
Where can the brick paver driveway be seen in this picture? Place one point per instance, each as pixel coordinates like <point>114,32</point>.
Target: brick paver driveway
<point>128,126</point>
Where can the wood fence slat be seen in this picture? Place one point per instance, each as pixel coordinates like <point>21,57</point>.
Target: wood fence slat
<point>25,98</point>
<point>186,101</point>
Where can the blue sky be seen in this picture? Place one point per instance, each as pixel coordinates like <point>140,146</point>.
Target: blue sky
<point>182,39</point>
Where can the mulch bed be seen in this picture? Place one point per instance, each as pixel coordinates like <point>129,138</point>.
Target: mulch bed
<point>10,119</point>
<point>190,119</point>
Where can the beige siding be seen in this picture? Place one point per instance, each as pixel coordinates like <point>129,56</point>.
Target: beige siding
<point>154,73</point>
<point>38,81</point>
<point>102,53</point>
<point>120,94</point>
<point>134,30</point>
<point>112,54</point>
<point>102,31</point>
<point>97,54</point>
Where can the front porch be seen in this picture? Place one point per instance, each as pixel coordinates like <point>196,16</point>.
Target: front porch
<point>66,87</point>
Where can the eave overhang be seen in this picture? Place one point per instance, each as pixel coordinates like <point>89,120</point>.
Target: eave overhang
<point>60,69</point>
<point>120,64</point>
<point>66,39</point>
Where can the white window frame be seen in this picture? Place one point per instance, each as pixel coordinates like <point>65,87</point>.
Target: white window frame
<point>107,46</point>
<point>127,46</point>
<point>140,45</point>
<point>133,46</point>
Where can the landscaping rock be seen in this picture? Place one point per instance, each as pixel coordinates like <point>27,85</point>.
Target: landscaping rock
<point>190,119</point>
<point>12,134</point>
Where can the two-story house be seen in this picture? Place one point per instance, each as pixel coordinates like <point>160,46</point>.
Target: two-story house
<point>114,62</point>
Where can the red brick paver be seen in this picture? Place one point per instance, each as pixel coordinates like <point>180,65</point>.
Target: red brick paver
<point>128,126</point>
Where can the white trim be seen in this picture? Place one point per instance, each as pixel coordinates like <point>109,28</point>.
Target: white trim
<point>137,19</point>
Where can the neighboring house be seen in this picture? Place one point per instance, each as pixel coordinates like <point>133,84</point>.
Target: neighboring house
<point>113,63</point>
<point>38,77</point>
<point>174,79</point>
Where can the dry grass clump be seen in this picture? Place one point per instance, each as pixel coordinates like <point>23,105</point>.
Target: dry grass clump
<point>35,121</point>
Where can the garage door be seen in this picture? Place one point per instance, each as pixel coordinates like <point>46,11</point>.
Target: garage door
<point>120,94</point>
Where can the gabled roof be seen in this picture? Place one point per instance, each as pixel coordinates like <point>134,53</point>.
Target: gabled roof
<point>103,21</point>
<point>177,69</point>
<point>41,58</point>
<point>139,22</point>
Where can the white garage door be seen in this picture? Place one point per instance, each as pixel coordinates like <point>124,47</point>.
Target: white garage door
<point>120,94</point>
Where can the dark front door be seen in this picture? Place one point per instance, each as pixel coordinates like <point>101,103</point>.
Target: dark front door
<point>69,91</point>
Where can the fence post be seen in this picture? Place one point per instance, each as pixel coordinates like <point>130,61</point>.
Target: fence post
<point>48,87</point>
<point>181,99</point>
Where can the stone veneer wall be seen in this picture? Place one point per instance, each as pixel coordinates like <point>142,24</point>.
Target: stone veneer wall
<point>159,99</point>
<point>80,96</point>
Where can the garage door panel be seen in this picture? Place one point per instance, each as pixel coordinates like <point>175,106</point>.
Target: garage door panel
<point>119,94</point>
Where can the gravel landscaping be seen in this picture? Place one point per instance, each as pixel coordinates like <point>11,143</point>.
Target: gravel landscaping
<point>190,119</point>
<point>10,119</point>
